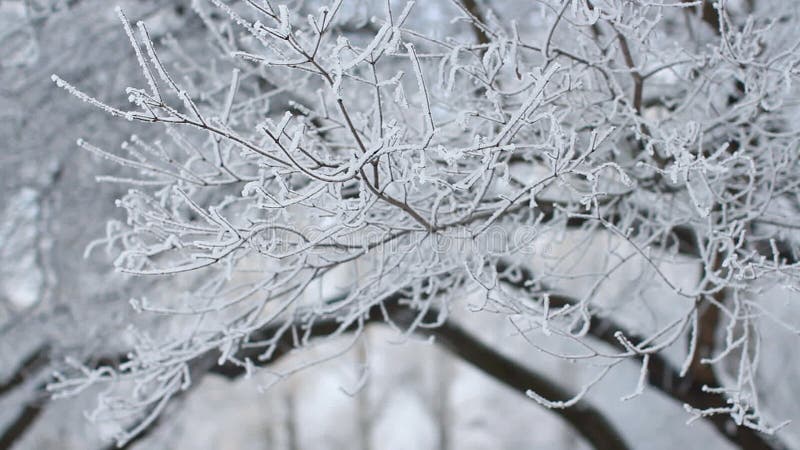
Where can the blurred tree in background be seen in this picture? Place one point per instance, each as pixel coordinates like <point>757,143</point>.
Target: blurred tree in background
<point>609,184</point>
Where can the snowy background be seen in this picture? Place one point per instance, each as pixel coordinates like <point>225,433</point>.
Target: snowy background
<point>386,393</point>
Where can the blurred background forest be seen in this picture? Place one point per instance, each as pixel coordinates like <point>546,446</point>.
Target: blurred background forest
<point>384,394</point>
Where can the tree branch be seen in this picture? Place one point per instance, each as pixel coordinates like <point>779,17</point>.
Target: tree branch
<point>17,428</point>
<point>662,375</point>
<point>584,418</point>
<point>35,362</point>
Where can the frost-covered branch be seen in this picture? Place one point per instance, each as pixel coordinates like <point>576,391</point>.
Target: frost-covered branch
<point>584,144</point>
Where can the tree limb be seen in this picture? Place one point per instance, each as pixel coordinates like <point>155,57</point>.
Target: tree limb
<point>662,375</point>
<point>589,422</point>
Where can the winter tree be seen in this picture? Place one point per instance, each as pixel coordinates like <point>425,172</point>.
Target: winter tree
<point>614,179</point>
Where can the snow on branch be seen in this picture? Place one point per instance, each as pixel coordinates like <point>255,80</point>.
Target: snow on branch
<point>587,147</point>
